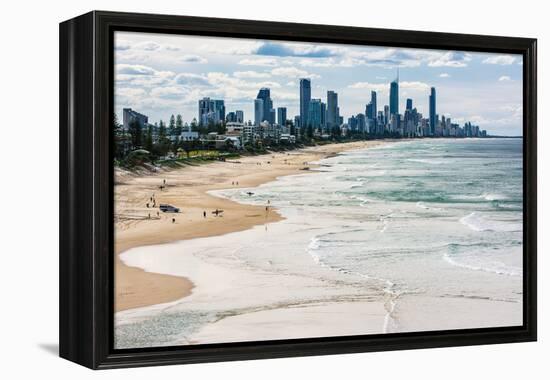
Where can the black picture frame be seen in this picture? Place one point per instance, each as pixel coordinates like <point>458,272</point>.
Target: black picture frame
<point>86,189</point>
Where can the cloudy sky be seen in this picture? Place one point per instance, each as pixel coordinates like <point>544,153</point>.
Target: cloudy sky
<point>160,75</point>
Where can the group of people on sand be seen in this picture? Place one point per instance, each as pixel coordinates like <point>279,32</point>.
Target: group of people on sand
<point>161,187</point>
<point>152,202</point>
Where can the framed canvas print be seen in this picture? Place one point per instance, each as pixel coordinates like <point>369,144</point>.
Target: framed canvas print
<point>238,189</point>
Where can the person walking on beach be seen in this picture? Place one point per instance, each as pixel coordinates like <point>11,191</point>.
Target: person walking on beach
<point>158,214</point>
<point>147,204</point>
<point>173,220</point>
<point>204,214</point>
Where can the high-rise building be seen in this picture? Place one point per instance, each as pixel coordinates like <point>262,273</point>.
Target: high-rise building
<point>314,117</point>
<point>386,115</point>
<point>231,117</point>
<point>211,111</point>
<point>352,123</point>
<point>368,110</point>
<point>129,115</point>
<point>239,116</point>
<point>297,122</point>
<point>258,111</point>
<point>394,97</point>
<point>323,115</point>
<point>409,104</point>
<point>265,95</point>
<point>305,99</point>
<point>361,122</point>
<point>433,118</point>
<point>332,109</point>
<point>374,107</point>
<point>281,115</point>
<point>219,108</point>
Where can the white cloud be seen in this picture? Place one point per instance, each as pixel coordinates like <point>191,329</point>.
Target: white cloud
<point>293,72</point>
<point>451,59</point>
<point>168,92</point>
<point>444,75</point>
<point>191,58</point>
<point>370,86</point>
<point>122,44</point>
<point>515,110</point>
<point>124,68</point>
<point>258,62</point>
<point>171,47</point>
<point>250,74</point>
<point>414,85</point>
<point>130,91</point>
<point>500,60</point>
<point>141,75</point>
<point>382,87</point>
<point>147,45</point>
<point>188,79</point>
<point>504,78</point>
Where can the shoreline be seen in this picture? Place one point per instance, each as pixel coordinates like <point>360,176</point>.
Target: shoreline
<point>187,188</point>
<point>259,282</point>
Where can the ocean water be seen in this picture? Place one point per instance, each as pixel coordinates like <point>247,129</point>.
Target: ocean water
<point>441,219</point>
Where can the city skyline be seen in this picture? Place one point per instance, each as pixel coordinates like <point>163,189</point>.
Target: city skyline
<point>158,78</point>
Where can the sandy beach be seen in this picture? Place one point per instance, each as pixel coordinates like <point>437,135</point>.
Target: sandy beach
<point>187,187</point>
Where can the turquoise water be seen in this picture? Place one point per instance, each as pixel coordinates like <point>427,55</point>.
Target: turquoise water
<point>430,228</point>
<point>441,217</point>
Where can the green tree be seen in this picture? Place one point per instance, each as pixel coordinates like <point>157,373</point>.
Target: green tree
<point>309,132</point>
<point>134,128</point>
<point>162,146</point>
<point>179,125</point>
<point>172,126</point>
<point>118,134</point>
<point>149,139</point>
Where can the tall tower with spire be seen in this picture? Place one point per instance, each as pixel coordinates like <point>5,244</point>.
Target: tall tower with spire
<point>394,95</point>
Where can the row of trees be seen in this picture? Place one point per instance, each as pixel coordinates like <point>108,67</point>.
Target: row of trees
<point>160,139</point>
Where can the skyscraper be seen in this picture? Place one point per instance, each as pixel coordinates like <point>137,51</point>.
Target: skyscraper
<point>129,115</point>
<point>409,104</point>
<point>332,109</point>
<point>305,99</point>
<point>258,111</point>
<point>206,107</point>
<point>314,116</point>
<point>219,108</point>
<point>323,115</point>
<point>239,116</point>
<point>394,96</point>
<point>281,115</point>
<point>374,107</point>
<point>211,111</point>
<point>433,117</point>
<point>265,95</point>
